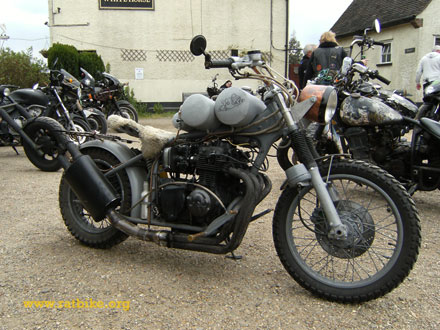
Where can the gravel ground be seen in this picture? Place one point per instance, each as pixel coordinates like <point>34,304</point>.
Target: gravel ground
<point>175,289</point>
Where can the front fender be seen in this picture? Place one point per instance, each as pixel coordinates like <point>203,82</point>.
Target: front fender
<point>136,175</point>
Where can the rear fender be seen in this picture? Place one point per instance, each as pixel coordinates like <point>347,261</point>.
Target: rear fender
<point>136,175</point>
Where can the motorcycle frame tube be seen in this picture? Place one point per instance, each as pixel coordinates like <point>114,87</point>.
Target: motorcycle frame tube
<point>135,174</point>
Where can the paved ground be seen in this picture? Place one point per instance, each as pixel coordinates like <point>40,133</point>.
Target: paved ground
<point>173,289</point>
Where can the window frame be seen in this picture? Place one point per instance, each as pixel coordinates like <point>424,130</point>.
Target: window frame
<point>386,55</point>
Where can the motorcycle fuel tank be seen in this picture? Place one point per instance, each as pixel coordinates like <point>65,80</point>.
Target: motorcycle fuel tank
<point>29,96</point>
<point>364,111</point>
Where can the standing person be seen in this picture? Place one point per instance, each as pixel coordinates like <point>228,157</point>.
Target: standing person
<point>329,55</point>
<point>308,50</point>
<point>429,68</point>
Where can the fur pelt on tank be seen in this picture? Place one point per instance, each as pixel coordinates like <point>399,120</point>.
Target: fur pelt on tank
<point>153,139</point>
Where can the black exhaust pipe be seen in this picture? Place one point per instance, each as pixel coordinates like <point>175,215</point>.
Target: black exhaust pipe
<point>92,188</point>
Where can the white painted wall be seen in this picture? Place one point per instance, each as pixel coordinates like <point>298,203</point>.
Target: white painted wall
<point>242,24</point>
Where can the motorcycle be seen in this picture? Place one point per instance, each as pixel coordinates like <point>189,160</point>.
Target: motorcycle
<point>431,102</point>
<point>107,95</point>
<point>60,101</point>
<point>39,136</point>
<point>344,230</point>
<point>371,129</point>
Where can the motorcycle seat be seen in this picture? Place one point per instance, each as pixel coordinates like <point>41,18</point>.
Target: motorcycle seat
<point>153,139</point>
<point>431,126</point>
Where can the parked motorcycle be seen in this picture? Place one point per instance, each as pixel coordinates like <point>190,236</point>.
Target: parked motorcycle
<point>107,95</point>
<point>345,230</point>
<point>60,101</point>
<point>374,129</point>
<point>431,102</point>
<point>40,136</point>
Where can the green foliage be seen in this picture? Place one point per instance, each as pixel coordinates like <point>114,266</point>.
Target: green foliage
<point>129,96</point>
<point>92,63</point>
<point>21,69</point>
<point>158,108</point>
<point>65,57</point>
<point>107,67</point>
<point>295,50</point>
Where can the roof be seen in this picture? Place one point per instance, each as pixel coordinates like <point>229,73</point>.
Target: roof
<point>361,14</point>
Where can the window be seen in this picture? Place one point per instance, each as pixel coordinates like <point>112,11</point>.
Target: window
<point>386,53</point>
<point>436,40</point>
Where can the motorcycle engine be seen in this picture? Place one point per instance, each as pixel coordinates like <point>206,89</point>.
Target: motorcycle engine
<point>198,180</point>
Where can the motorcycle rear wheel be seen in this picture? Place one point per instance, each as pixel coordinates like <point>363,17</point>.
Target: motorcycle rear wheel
<point>383,231</point>
<point>45,132</point>
<point>79,222</point>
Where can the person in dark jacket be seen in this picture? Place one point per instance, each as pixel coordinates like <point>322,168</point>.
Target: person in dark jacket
<point>329,55</point>
<point>308,50</point>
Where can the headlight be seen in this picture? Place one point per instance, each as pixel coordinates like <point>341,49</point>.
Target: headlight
<point>326,102</point>
<point>6,92</point>
<point>87,82</point>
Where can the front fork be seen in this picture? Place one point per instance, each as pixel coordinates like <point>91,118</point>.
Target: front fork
<point>304,150</point>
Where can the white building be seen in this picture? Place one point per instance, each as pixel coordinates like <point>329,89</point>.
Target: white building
<point>146,42</point>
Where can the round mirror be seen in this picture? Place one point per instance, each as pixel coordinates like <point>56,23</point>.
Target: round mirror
<point>377,25</point>
<point>198,45</point>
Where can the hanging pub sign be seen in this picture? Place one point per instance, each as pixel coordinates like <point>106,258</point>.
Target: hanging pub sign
<point>126,4</point>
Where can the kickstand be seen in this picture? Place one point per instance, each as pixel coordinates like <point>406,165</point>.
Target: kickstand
<point>15,149</point>
<point>234,257</point>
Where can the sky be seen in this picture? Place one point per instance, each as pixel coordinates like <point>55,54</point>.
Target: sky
<point>24,20</point>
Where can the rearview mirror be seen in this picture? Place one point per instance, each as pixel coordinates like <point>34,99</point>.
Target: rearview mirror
<point>198,45</point>
<point>377,25</point>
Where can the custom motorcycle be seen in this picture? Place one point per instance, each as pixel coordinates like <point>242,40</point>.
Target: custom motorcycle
<point>40,136</point>
<point>370,129</point>
<point>107,95</point>
<point>345,230</point>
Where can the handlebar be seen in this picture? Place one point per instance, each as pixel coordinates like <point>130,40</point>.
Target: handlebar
<point>378,43</point>
<point>219,63</point>
<point>375,74</point>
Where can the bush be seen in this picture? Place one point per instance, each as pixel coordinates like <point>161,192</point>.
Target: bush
<point>21,69</point>
<point>66,57</point>
<point>92,63</point>
<point>141,108</point>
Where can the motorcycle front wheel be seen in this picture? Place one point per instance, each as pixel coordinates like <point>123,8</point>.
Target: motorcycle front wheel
<point>81,126</point>
<point>97,123</point>
<point>383,234</point>
<point>78,220</point>
<point>46,134</point>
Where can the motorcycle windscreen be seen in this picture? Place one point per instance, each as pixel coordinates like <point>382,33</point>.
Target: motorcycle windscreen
<point>364,111</point>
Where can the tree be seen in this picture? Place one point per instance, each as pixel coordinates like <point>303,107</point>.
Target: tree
<point>295,50</point>
<point>21,68</point>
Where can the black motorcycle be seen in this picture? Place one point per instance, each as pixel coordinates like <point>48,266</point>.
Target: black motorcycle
<point>40,136</point>
<point>345,230</point>
<point>59,100</point>
<point>107,95</point>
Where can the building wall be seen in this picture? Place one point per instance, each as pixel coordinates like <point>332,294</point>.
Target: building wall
<point>404,37</point>
<point>157,41</point>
